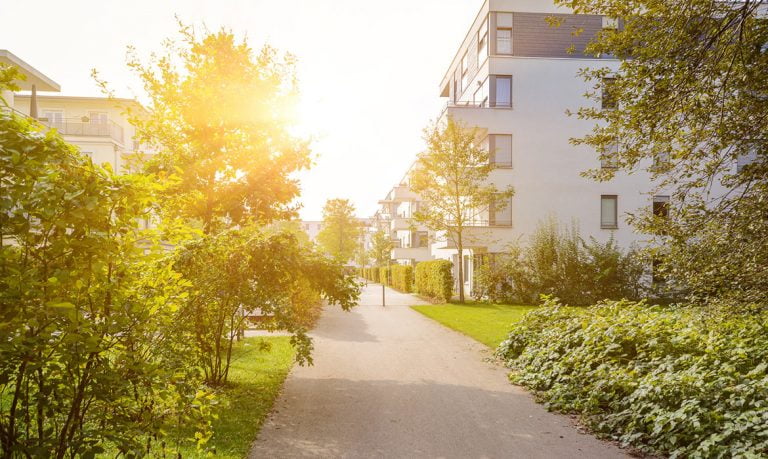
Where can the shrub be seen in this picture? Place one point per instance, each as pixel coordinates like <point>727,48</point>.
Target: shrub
<point>402,278</point>
<point>434,279</point>
<point>89,353</point>
<point>374,274</point>
<point>683,381</point>
<point>559,262</point>
<point>385,275</point>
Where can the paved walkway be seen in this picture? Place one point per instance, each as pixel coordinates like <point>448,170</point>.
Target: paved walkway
<point>389,382</point>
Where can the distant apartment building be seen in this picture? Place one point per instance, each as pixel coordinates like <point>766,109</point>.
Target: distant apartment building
<point>410,239</point>
<point>98,126</point>
<point>312,228</point>
<point>513,77</point>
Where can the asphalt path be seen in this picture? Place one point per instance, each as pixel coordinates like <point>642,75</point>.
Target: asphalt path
<point>389,382</point>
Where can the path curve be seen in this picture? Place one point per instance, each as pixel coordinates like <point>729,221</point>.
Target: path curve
<point>389,382</point>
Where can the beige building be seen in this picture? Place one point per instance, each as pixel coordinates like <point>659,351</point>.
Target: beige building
<point>98,126</point>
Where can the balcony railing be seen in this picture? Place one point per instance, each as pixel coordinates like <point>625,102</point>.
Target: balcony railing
<point>479,223</point>
<point>77,126</point>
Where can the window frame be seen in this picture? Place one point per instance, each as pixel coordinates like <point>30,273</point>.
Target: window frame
<point>615,199</point>
<point>494,90</point>
<point>608,102</point>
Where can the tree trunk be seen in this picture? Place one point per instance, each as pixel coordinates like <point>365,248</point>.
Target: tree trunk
<point>460,247</point>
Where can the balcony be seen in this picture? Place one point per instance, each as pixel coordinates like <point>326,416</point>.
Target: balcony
<point>401,223</point>
<point>411,253</point>
<point>479,234</point>
<point>402,193</point>
<point>85,127</point>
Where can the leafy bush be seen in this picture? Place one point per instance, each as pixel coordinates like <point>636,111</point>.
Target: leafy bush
<point>434,279</point>
<point>559,262</point>
<point>89,353</point>
<point>684,381</point>
<point>237,272</point>
<point>402,278</point>
<point>385,275</point>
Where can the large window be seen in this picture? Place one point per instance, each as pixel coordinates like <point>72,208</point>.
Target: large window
<point>504,33</point>
<point>500,150</point>
<point>661,206</point>
<point>53,116</point>
<point>481,95</point>
<point>745,160</point>
<point>609,218</point>
<point>465,72</point>
<point>482,42</point>
<point>609,101</point>
<point>501,215</point>
<point>608,157</point>
<point>503,93</point>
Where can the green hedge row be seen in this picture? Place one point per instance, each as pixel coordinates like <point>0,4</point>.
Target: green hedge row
<point>679,382</point>
<point>434,279</point>
<point>402,278</point>
<point>372,274</point>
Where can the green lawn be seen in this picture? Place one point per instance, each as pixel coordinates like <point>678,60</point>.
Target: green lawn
<point>255,379</point>
<point>487,323</point>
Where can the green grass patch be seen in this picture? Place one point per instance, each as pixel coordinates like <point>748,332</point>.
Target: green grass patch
<point>255,379</point>
<point>487,323</point>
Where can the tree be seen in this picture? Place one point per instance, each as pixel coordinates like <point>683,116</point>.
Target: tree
<point>89,356</point>
<point>340,234</point>
<point>381,248</point>
<point>692,113</point>
<point>221,119</point>
<point>452,179</point>
<point>241,271</point>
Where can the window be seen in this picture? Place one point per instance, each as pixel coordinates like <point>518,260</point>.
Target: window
<point>465,72</point>
<point>504,33</point>
<point>481,95</point>
<point>500,150</point>
<point>660,161</point>
<point>504,41</point>
<point>657,272</point>
<point>610,23</point>
<point>500,215</point>
<point>608,97</point>
<point>503,93</point>
<point>53,116</point>
<point>661,206</point>
<point>608,156</point>
<point>609,211</point>
<point>482,42</point>
<point>746,159</point>
<point>97,117</point>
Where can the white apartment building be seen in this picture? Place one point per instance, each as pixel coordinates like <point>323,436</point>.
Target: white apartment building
<point>96,125</point>
<point>514,79</point>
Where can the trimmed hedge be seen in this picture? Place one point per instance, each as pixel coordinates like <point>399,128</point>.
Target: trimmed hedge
<point>372,274</point>
<point>385,275</point>
<point>678,381</point>
<point>402,278</point>
<point>434,279</point>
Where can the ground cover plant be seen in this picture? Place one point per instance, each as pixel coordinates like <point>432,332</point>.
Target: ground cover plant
<point>678,381</point>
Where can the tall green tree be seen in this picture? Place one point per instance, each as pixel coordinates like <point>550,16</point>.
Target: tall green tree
<point>381,248</point>
<point>692,112</point>
<point>340,235</point>
<point>452,179</point>
<point>221,117</point>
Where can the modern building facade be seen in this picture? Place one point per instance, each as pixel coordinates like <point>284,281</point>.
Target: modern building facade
<point>98,126</point>
<point>514,77</point>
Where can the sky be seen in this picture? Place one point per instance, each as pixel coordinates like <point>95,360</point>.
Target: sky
<point>369,71</point>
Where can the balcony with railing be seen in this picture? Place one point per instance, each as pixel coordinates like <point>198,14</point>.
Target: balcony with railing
<point>85,127</point>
